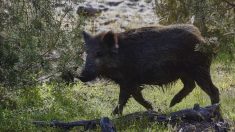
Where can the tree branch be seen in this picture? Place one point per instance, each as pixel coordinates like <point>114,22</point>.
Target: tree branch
<point>230,3</point>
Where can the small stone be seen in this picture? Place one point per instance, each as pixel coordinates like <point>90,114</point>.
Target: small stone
<point>110,21</point>
<point>130,4</point>
<point>148,1</point>
<point>118,16</point>
<point>101,6</point>
<point>142,5</point>
<point>141,10</point>
<point>88,10</point>
<point>114,2</point>
<point>134,0</point>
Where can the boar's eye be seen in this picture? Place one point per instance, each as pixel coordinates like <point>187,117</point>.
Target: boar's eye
<point>99,54</point>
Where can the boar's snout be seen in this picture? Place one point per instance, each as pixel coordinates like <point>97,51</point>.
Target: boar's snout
<point>86,76</point>
<point>84,79</point>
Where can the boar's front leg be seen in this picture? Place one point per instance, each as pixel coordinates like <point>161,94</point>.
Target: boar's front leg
<point>124,95</point>
<point>137,95</point>
<point>189,85</point>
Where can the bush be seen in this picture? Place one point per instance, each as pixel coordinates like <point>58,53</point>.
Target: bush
<point>215,18</point>
<point>36,41</point>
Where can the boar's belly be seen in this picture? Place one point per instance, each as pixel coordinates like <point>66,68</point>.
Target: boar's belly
<point>160,75</point>
<point>157,79</point>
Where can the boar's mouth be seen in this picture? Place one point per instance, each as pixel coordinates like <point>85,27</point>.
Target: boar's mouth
<point>87,77</point>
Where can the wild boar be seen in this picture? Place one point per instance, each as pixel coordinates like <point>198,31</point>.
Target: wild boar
<point>149,55</point>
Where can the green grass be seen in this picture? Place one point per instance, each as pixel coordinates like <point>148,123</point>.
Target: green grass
<point>79,102</point>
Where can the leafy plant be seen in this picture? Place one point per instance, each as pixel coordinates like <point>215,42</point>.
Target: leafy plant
<point>214,18</point>
<point>38,40</point>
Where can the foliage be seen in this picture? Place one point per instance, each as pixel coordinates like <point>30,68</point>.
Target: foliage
<point>36,41</point>
<point>82,102</point>
<point>215,18</point>
<point>57,102</point>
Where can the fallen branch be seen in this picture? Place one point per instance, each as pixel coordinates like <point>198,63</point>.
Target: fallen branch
<point>105,124</point>
<point>87,124</point>
<point>208,117</point>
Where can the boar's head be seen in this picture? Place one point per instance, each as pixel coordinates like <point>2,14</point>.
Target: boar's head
<point>102,55</point>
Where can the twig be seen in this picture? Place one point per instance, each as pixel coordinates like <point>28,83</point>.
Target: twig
<point>230,3</point>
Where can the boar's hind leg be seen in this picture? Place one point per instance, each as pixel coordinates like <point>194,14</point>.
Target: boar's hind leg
<point>203,79</point>
<point>137,95</point>
<point>189,85</point>
<point>124,95</point>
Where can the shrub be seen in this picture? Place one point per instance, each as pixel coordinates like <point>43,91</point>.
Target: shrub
<point>215,18</point>
<point>36,41</point>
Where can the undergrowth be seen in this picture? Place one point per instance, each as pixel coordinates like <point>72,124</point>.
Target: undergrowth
<point>49,102</point>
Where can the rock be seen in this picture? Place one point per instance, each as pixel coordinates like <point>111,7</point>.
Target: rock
<point>134,0</point>
<point>114,2</point>
<point>142,5</point>
<point>109,22</point>
<point>141,10</point>
<point>103,7</point>
<point>107,125</point>
<point>88,10</point>
<point>148,1</point>
<point>118,16</point>
<point>130,4</point>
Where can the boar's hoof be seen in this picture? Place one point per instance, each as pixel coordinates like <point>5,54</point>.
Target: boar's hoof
<point>173,103</point>
<point>117,111</point>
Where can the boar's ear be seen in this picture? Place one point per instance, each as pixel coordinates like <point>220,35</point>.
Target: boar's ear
<point>86,36</point>
<point>110,40</point>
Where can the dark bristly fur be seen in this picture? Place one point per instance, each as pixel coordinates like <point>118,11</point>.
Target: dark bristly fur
<point>150,55</point>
